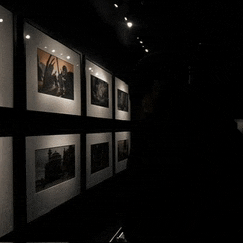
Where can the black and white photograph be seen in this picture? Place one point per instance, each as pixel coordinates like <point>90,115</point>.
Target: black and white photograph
<point>122,150</point>
<point>55,76</point>
<point>122,101</point>
<point>99,156</point>
<point>54,166</point>
<point>99,92</point>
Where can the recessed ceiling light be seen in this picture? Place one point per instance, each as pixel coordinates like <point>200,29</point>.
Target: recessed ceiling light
<point>129,24</point>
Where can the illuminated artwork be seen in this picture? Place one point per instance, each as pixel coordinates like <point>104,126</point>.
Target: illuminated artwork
<point>122,150</point>
<point>99,156</point>
<point>99,92</point>
<point>55,76</point>
<point>122,100</point>
<point>54,166</point>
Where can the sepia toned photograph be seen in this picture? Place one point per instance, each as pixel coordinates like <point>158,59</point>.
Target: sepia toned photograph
<point>122,101</point>
<point>122,150</point>
<point>55,76</point>
<point>99,92</point>
<point>99,156</point>
<point>54,166</point>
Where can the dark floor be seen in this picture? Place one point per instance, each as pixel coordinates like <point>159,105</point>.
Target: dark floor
<point>93,216</point>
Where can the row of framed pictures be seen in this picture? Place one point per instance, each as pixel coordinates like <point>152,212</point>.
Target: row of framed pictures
<point>53,77</point>
<point>53,170</point>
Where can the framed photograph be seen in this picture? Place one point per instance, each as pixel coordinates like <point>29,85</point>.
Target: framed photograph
<point>6,58</point>
<point>98,158</point>
<point>54,166</point>
<point>122,101</point>
<point>52,172</point>
<point>52,73</point>
<point>122,147</point>
<point>55,76</point>
<point>6,185</point>
<point>99,91</point>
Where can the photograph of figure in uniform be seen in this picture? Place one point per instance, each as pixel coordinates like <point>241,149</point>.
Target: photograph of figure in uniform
<point>99,156</point>
<point>99,92</point>
<point>55,76</point>
<point>122,100</point>
<point>54,166</point>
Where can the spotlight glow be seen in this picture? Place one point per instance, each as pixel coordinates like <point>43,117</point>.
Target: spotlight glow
<point>129,24</point>
<point>68,57</point>
<point>1,20</point>
<point>116,5</point>
<point>146,50</point>
<point>27,37</point>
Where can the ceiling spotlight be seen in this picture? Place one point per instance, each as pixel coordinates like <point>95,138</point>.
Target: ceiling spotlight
<point>141,42</point>
<point>116,5</point>
<point>146,50</point>
<point>68,57</point>
<point>129,24</point>
<point>53,51</point>
<point>125,18</point>
<point>1,20</point>
<point>27,36</point>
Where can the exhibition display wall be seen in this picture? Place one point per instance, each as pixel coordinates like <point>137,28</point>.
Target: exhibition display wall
<point>53,144</point>
<point>6,58</point>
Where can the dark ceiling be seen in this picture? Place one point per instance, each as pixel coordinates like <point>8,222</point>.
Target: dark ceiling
<point>206,35</point>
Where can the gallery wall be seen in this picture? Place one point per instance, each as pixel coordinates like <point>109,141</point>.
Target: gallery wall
<point>65,124</point>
